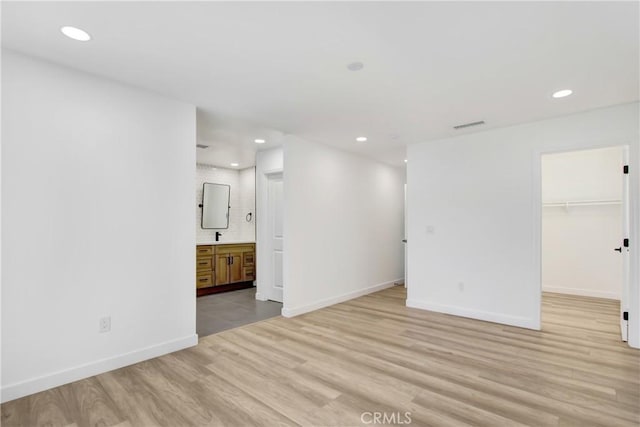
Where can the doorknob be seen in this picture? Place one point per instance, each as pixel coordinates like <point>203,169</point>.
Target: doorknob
<point>618,249</point>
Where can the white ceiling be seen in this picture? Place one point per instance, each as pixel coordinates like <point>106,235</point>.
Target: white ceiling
<point>267,69</point>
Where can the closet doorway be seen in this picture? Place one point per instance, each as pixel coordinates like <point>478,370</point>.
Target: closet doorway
<point>585,230</point>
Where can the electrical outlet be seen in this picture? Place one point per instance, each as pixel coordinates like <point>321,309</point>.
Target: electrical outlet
<point>461,286</point>
<point>105,324</point>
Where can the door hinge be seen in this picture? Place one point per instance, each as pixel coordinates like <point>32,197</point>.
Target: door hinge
<point>625,315</point>
<point>625,243</point>
<point>625,169</point>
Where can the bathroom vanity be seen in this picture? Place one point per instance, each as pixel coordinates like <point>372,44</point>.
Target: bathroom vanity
<point>224,267</point>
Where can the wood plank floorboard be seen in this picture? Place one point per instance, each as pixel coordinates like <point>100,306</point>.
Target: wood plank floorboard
<point>370,354</point>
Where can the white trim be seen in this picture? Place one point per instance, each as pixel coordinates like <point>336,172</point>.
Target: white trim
<point>45,382</point>
<point>291,312</point>
<point>261,297</point>
<point>488,316</point>
<point>276,171</point>
<point>581,292</point>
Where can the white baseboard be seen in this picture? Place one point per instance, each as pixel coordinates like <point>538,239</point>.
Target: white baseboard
<point>261,297</point>
<point>488,316</point>
<point>45,382</point>
<point>581,292</point>
<point>291,312</point>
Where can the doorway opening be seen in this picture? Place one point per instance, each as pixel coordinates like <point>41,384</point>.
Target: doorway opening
<point>226,267</point>
<point>585,230</point>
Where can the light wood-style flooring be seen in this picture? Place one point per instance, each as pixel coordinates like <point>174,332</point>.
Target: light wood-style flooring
<point>368,355</point>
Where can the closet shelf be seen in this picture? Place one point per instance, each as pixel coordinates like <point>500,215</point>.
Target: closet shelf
<point>572,203</point>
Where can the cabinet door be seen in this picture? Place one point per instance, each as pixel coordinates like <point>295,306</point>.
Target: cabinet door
<point>222,269</point>
<point>235,268</point>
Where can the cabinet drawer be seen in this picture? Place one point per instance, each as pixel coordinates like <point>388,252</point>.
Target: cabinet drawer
<point>204,264</point>
<point>234,248</point>
<point>202,250</point>
<point>204,280</point>
<point>248,258</point>
<point>248,274</point>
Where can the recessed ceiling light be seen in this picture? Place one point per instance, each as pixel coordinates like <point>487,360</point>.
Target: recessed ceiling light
<point>406,160</point>
<point>259,141</point>
<point>76,34</point>
<point>235,164</point>
<point>562,93</point>
<point>355,66</point>
<point>361,138</point>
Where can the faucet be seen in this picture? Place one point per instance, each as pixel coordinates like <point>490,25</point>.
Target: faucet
<point>218,234</point>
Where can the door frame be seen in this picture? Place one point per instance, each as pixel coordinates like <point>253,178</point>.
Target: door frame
<point>625,294</point>
<point>634,227</point>
<point>263,243</point>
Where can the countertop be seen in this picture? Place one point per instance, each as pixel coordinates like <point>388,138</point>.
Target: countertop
<point>231,242</point>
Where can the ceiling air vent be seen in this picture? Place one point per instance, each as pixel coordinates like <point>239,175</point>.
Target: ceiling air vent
<point>202,146</point>
<point>468,125</point>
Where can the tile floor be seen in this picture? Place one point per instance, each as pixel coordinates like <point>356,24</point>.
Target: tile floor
<point>227,310</point>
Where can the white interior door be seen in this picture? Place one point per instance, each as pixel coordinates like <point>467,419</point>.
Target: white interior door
<point>624,296</point>
<point>406,249</point>
<point>275,211</point>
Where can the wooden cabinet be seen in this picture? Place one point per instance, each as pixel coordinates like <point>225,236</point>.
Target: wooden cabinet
<point>204,280</point>
<point>248,265</point>
<point>248,274</point>
<point>222,272</point>
<point>204,250</point>
<point>228,269</point>
<point>229,266</point>
<point>204,266</point>
<point>224,265</point>
<point>235,270</point>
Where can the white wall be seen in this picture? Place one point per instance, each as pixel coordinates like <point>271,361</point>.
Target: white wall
<point>247,185</point>
<point>578,241</point>
<point>241,200</point>
<point>480,192</point>
<point>97,220</point>
<point>343,226</point>
<point>267,162</point>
